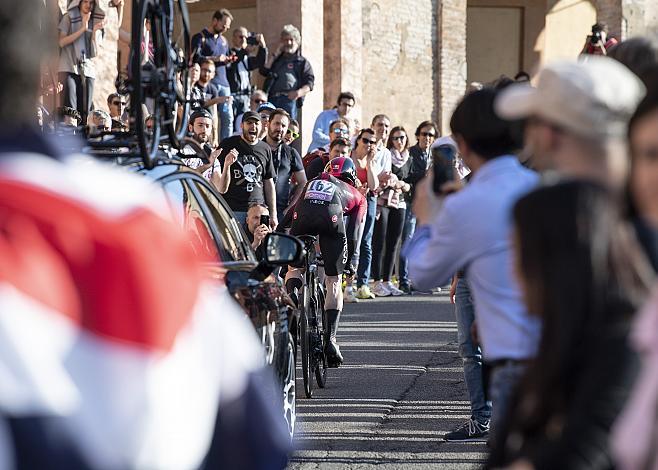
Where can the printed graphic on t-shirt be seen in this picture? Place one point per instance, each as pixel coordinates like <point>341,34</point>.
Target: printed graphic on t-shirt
<point>320,190</point>
<point>248,172</point>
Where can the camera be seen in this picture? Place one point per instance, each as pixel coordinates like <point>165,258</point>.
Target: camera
<point>595,37</point>
<point>265,220</point>
<point>252,40</point>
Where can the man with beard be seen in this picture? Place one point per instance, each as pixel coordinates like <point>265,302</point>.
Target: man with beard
<point>289,74</point>
<point>247,175</point>
<point>200,126</point>
<point>211,44</point>
<point>287,161</point>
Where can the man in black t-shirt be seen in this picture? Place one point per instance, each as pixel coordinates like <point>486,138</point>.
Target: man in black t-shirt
<point>247,175</point>
<point>287,161</point>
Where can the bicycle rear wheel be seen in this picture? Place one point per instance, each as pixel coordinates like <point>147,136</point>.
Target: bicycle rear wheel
<point>306,344</point>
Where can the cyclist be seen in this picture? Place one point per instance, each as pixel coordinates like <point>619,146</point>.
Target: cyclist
<point>320,210</point>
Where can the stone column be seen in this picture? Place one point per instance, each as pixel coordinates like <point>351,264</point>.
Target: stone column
<point>451,61</point>
<point>343,61</point>
<point>610,12</point>
<point>307,16</point>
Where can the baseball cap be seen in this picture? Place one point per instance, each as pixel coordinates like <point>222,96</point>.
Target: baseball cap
<point>590,98</point>
<point>267,106</point>
<point>200,113</point>
<point>250,115</point>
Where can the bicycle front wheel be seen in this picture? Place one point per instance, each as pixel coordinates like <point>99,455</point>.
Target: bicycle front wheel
<point>307,359</point>
<point>321,369</point>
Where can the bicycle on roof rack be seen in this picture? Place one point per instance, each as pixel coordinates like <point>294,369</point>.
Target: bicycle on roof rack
<point>157,82</point>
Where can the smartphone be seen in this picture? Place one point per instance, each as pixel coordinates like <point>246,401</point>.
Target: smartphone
<point>443,164</point>
<point>265,220</point>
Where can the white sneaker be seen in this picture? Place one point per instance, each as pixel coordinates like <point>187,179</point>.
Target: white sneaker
<point>392,289</point>
<point>348,295</point>
<point>380,290</point>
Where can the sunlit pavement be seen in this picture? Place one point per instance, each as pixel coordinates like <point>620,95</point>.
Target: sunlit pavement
<point>400,389</point>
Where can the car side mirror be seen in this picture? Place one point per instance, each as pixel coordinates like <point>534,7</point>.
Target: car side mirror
<point>282,249</point>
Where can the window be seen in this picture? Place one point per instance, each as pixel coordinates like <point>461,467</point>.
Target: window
<point>187,212</point>
<point>231,237</point>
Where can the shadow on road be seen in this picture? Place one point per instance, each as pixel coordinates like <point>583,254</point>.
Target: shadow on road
<point>400,390</point>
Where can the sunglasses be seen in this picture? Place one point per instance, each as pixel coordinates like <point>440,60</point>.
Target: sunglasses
<point>265,117</point>
<point>294,135</point>
<point>428,134</point>
<point>340,130</point>
<point>259,101</point>
<point>399,137</point>
<point>368,141</point>
<point>119,103</point>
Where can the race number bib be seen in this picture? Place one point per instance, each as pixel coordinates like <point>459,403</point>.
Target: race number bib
<point>319,190</point>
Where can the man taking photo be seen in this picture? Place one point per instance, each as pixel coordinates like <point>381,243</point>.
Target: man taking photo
<point>257,228</point>
<point>245,58</point>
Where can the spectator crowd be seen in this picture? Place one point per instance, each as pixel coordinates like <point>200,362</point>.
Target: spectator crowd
<point>540,210</point>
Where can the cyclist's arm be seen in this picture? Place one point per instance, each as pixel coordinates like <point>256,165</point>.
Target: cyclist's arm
<point>355,221</point>
<point>287,218</point>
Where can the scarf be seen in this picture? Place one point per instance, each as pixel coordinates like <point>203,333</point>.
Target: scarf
<point>86,48</point>
<point>399,159</point>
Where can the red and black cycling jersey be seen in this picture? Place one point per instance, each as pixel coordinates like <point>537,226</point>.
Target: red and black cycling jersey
<point>328,197</point>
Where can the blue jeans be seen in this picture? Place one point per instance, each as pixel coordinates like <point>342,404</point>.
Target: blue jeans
<point>407,233</point>
<point>502,385</point>
<point>283,102</point>
<point>470,353</point>
<point>225,112</point>
<point>365,250</point>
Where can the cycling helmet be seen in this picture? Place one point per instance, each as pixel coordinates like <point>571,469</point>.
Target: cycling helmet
<point>342,168</point>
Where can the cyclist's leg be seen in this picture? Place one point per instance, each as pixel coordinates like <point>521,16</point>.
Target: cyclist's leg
<point>294,280</point>
<point>295,275</point>
<point>334,252</point>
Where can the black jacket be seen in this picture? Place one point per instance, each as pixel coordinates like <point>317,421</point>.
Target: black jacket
<point>240,82</point>
<point>301,66</point>
<point>419,163</point>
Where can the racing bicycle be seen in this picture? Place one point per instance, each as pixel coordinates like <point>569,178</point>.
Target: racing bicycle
<point>312,319</point>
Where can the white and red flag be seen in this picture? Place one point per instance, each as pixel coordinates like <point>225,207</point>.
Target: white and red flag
<point>114,352</point>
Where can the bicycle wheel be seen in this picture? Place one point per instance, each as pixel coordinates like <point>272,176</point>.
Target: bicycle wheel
<point>307,350</point>
<point>321,368</point>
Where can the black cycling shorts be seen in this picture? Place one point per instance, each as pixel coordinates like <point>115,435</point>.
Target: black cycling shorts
<point>325,222</point>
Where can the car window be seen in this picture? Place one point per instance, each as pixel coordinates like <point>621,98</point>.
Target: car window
<point>186,210</point>
<point>231,238</point>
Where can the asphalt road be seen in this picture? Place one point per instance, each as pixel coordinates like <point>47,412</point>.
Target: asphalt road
<point>400,389</point>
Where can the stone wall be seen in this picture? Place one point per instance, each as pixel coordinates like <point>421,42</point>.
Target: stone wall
<point>451,59</point>
<point>398,57</point>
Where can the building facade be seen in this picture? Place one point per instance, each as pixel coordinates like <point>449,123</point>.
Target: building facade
<point>411,59</point>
